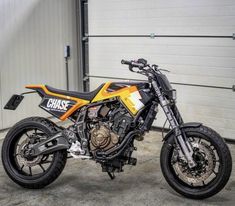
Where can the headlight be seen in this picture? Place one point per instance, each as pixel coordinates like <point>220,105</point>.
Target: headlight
<point>170,94</point>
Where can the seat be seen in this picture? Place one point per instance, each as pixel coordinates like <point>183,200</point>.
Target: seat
<point>81,95</point>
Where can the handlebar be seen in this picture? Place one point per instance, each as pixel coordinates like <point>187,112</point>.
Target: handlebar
<point>141,64</point>
<point>143,67</point>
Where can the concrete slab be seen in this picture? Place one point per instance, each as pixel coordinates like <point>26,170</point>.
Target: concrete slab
<point>83,183</point>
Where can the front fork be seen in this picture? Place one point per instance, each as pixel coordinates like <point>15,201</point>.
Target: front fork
<point>180,137</point>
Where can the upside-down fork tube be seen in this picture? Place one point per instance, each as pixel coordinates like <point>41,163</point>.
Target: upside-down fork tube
<point>185,147</point>
<point>116,151</point>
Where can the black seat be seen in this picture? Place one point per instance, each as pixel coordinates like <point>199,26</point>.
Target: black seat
<point>81,95</point>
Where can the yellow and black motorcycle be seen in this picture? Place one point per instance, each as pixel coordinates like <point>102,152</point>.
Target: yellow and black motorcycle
<point>195,160</point>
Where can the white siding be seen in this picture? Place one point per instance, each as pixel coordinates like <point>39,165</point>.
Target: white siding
<point>190,60</point>
<point>33,36</point>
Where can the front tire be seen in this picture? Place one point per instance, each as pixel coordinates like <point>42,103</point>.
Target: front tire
<point>185,186</point>
<point>37,172</point>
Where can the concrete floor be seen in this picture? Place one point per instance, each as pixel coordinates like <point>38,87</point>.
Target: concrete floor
<point>83,183</point>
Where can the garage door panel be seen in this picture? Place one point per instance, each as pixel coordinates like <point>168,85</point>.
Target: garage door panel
<point>220,126</point>
<point>160,11</point>
<point>110,52</point>
<point>202,79</point>
<point>215,111</point>
<point>170,59</point>
<point>207,97</point>
<point>159,48</point>
<point>172,24</point>
<point>220,72</point>
<point>178,17</point>
<point>159,4</point>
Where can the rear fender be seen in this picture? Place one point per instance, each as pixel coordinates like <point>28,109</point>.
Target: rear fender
<point>182,126</point>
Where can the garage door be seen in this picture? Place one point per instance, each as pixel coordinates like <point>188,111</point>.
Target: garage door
<point>196,46</point>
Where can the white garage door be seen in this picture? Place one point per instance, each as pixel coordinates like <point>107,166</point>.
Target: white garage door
<point>200,61</point>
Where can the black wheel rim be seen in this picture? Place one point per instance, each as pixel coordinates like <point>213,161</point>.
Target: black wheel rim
<point>21,166</point>
<point>199,138</point>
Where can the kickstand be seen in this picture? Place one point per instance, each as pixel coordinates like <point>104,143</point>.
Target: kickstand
<point>111,175</point>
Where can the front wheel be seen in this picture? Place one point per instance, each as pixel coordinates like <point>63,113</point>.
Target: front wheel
<point>213,159</point>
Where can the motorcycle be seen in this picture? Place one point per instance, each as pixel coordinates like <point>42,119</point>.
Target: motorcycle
<point>195,160</point>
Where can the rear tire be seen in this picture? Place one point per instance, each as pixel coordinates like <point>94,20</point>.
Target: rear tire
<point>11,165</point>
<point>216,184</point>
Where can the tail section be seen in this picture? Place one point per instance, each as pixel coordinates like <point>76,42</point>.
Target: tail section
<point>58,105</point>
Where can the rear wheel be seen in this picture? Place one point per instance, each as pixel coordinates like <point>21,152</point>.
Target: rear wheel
<point>36,172</point>
<point>213,159</point>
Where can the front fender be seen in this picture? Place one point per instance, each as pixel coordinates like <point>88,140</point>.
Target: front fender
<point>184,125</point>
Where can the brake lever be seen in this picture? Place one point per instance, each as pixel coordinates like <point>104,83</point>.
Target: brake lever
<point>131,68</point>
<point>165,70</point>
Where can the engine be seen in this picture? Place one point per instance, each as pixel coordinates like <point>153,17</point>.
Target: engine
<point>102,138</point>
<point>108,126</point>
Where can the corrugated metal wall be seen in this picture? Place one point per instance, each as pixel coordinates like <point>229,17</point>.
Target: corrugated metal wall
<point>32,39</point>
<point>206,61</point>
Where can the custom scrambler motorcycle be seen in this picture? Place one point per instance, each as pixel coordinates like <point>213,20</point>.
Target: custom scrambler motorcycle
<point>195,160</point>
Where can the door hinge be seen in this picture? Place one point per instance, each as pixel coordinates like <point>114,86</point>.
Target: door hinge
<point>85,39</point>
<point>233,88</point>
<point>86,78</point>
<point>233,36</point>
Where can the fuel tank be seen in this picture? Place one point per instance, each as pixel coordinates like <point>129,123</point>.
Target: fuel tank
<point>133,95</point>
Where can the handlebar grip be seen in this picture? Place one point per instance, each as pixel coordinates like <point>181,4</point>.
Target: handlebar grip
<point>132,63</point>
<point>125,62</point>
<point>136,64</point>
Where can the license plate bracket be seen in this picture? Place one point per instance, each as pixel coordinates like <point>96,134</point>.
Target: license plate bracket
<point>14,102</point>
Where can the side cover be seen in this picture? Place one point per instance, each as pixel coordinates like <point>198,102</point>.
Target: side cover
<point>58,105</point>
